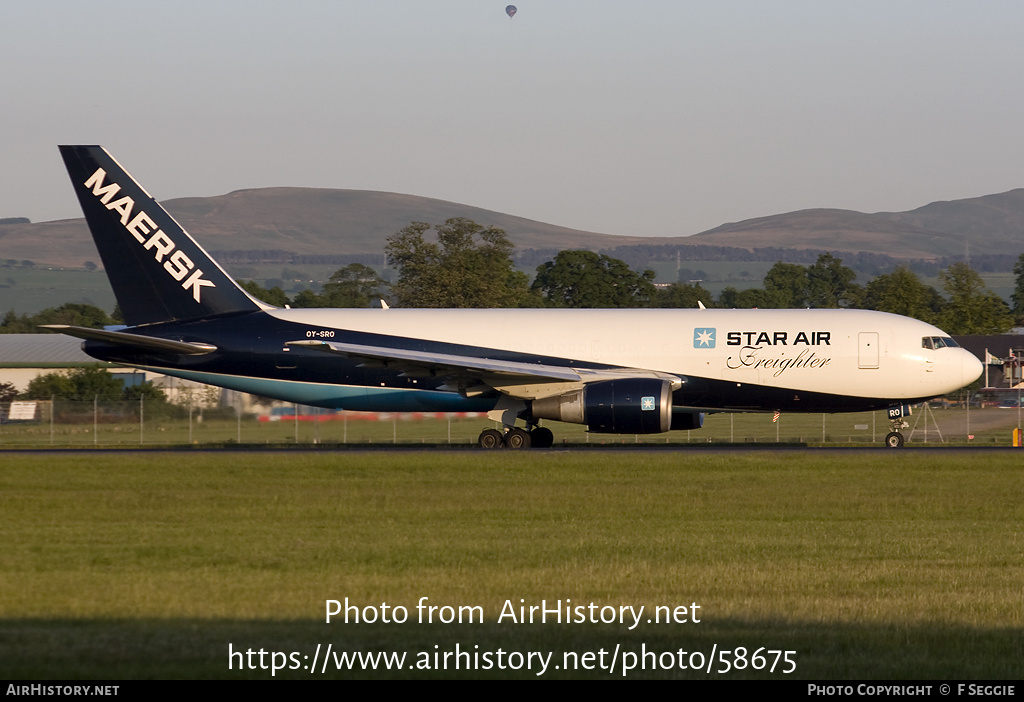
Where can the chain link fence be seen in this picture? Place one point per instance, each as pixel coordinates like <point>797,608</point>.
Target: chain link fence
<point>63,423</point>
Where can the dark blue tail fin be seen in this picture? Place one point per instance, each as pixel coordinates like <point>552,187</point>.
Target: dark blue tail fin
<point>159,274</point>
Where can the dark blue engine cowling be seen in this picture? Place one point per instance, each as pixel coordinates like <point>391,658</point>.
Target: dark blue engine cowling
<point>621,406</point>
<point>628,406</point>
<point>687,420</point>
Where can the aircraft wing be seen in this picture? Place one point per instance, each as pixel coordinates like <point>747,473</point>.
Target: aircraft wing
<point>515,378</point>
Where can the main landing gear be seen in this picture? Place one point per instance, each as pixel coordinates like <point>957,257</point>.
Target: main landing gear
<point>516,438</point>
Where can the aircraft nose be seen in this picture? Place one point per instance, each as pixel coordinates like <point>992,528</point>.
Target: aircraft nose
<point>971,367</point>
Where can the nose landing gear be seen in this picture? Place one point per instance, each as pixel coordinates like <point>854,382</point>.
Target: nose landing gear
<point>894,439</point>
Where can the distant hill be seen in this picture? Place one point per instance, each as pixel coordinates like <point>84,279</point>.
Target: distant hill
<point>835,230</point>
<point>311,222</point>
<point>993,224</point>
<point>303,221</point>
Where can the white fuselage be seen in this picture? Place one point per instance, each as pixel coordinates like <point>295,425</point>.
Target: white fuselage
<point>852,353</point>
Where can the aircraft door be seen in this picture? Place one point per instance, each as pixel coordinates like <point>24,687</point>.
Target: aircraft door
<point>867,350</point>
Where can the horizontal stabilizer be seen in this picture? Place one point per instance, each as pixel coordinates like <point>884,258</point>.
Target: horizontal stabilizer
<point>151,343</point>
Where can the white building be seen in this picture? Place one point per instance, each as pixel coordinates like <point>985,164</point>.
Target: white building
<point>24,357</point>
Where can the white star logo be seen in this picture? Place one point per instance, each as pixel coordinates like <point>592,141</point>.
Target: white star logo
<point>704,337</point>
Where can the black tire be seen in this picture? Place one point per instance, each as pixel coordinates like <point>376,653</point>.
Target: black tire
<point>542,437</point>
<point>894,440</point>
<point>517,439</point>
<point>490,439</point>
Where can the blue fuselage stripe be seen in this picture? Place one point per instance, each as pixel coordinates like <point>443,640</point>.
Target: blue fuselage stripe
<point>349,397</point>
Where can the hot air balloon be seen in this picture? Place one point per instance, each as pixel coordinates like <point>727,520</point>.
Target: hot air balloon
<point>510,10</point>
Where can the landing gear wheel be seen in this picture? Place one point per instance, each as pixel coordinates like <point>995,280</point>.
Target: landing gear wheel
<point>542,437</point>
<point>490,439</point>
<point>894,439</point>
<point>517,439</point>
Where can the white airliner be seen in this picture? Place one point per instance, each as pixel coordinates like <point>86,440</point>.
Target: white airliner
<point>616,371</point>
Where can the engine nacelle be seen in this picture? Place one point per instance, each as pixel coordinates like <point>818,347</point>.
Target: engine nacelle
<point>687,420</point>
<point>621,406</point>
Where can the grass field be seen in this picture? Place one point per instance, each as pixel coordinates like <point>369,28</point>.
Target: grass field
<point>866,564</point>
<point>31,290</point>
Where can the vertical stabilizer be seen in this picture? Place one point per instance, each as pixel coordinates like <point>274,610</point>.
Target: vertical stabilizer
<point>158,272</point>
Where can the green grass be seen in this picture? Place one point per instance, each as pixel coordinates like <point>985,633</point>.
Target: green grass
<point>873,565</point>
<point>31,290</point>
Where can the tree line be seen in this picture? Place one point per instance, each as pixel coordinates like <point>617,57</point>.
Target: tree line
<point>86,385</point>
<point>867,263</point>
<point>463,264</point>
<point>467,265</point>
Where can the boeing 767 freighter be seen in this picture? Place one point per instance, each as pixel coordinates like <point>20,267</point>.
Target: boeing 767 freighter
<point>616,371</point>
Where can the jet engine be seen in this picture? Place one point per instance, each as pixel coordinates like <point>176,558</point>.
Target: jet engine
<point>620,406</point>
<point>687,420</point>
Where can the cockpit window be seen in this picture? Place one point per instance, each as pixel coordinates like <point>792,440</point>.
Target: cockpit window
<point>938,342</point>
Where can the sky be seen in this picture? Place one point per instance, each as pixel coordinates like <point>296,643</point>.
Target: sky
<point>643,118</point>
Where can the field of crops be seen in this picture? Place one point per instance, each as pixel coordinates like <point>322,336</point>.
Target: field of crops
<point>862,564</point>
